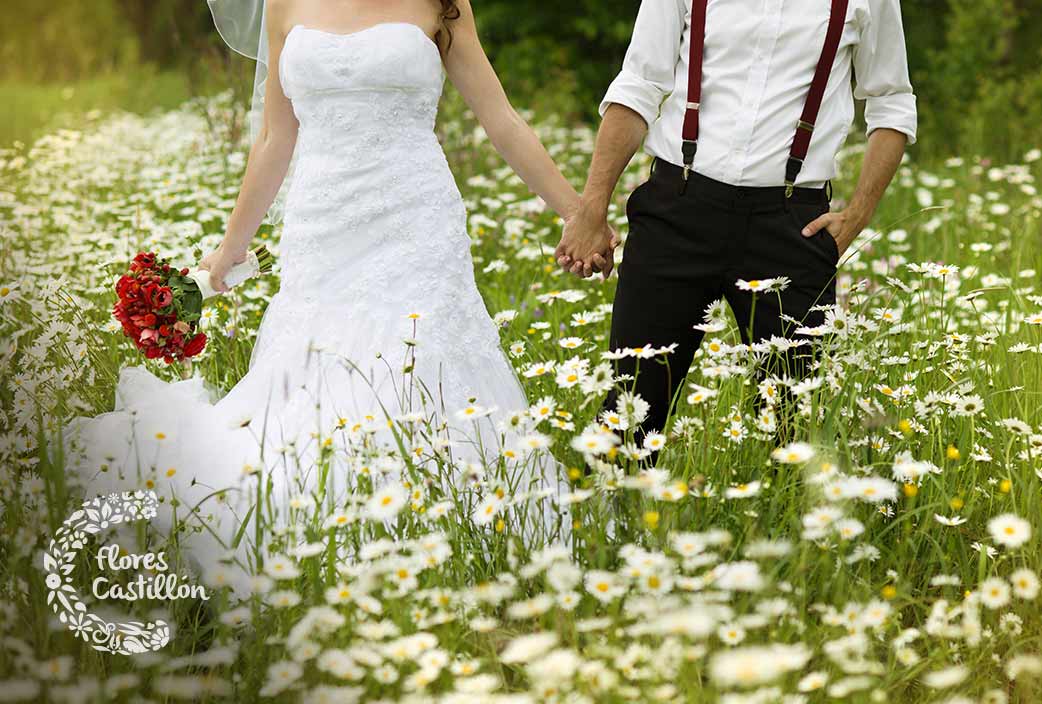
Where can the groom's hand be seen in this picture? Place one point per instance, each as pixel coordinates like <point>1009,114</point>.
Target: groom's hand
<point>587,245</point>
<point>843,225</point>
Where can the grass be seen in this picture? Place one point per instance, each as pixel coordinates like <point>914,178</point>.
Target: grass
<point>32,109</point>
<point>892,554</point>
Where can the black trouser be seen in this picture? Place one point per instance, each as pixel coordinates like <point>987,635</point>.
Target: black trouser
<point>687,247</point>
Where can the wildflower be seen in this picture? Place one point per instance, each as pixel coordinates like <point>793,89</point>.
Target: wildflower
<point>948,677</point>
<point>283,599</point>
<point>281,567</point>
<point>812,681</point>
<point>794,453</point>
<point>1025,584</point>
<point>8,292</point>
<point>700,394</point>
<point>543,408</point>
<point>487,510</point>
<point>387,502</point>
<point>1023,664</point>
<point>870,489</point>
<point>743,491</point>
<point>595,442</point>
<point>756,665</point>
<point>236,617</point>
<point>604,586</point>
<point>338,519</point>
<point>1009,530</point>
<point>527,648</point>
<point>731,634</point>
<point>473,412</point>
<point>739,576</point>
<point>654,441</point>
<point>57,669</point>
<point>533,441</point>
<point>281,675</point>
<point>994,593</point>
<point>849,528</point>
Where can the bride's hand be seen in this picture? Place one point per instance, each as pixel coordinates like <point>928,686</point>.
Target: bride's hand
<point>218,263</point>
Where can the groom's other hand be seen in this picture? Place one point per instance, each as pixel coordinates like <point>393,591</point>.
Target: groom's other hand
<point>883,155</point>
<point>844,226</point>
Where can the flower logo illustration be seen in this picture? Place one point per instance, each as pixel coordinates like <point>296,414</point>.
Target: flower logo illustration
<point>126,638</point>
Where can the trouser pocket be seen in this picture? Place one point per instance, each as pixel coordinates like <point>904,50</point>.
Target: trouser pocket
<point>802,214</point>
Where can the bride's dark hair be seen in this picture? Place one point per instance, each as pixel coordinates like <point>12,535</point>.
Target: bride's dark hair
<point>449,12</point>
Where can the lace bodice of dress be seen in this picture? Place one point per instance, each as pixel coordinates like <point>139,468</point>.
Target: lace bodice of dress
<point>367,90</point>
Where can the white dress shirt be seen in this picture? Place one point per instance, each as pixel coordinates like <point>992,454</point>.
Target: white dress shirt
<point>760,57</point>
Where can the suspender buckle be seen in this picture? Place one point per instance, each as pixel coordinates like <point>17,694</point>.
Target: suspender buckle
<point>804,125</point>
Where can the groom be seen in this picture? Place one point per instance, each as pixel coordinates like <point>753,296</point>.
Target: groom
<point>744,105</point>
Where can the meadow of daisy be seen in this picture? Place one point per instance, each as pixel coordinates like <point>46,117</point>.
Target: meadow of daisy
<point>886,551</point>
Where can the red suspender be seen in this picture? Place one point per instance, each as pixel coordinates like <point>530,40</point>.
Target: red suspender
<point>694,82</point>
<point>805,126</point>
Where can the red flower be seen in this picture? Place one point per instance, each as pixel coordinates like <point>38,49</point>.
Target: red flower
<point>144,309</point>
<point>143,260</point>
<point>195,345</point>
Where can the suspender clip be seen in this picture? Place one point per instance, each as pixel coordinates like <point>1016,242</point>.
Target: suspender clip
<point>792,170</point>
<point>690,148</point>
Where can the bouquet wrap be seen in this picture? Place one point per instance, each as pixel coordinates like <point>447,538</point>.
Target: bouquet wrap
<point>235,276</point>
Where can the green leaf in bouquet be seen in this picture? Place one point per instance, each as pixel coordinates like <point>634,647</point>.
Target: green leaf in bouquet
<point>188,300</point>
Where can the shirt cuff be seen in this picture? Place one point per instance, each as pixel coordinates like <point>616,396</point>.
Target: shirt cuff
<point>895,112</point>
<point>636,94</point>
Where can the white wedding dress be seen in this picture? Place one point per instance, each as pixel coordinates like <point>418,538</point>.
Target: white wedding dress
<point>376,279</point>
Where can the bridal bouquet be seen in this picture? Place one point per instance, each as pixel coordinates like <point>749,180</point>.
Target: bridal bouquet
<point>159,306</point>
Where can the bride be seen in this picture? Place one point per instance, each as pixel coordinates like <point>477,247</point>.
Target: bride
<point>376,362</point>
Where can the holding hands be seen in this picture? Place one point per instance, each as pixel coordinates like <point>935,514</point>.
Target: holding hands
<point>588,244</point>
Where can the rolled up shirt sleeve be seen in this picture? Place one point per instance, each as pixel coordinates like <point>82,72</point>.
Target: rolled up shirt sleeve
<point>881,71</point>
<point>647,75</point>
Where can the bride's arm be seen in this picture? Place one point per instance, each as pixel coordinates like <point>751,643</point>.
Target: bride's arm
<point>268,161</point>
<point>470,71</point>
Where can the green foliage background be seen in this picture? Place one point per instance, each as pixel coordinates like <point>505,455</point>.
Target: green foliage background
<point>975,63</point>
